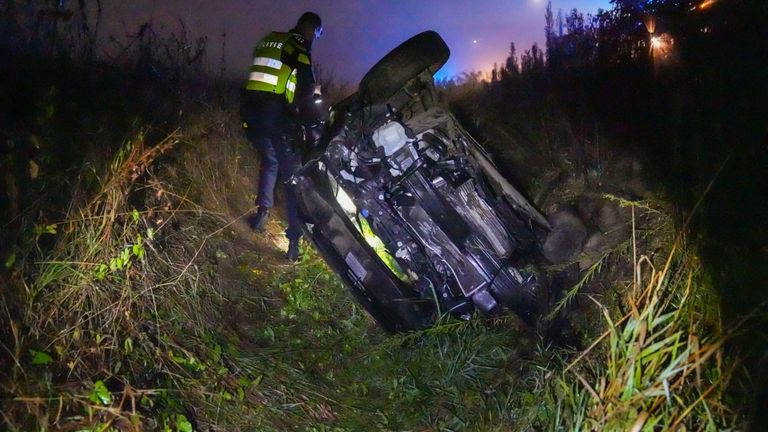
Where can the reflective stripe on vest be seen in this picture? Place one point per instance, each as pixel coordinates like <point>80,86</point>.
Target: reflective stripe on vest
<point>290,87</point>
<point>263,77</point>
<point>268,62</point>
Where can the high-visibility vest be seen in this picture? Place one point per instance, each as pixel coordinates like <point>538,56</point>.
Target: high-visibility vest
<point>275,59</point>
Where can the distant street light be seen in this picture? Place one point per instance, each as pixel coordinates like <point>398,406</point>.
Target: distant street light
<point>661,46</point>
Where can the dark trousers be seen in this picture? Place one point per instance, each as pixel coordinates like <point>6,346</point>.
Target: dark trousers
<point>268,129</point>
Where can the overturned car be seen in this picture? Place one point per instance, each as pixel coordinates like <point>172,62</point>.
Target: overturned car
<point>409,209</point>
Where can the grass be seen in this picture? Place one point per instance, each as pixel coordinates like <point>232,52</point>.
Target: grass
<point>150,307</point>
<point>652,368</point>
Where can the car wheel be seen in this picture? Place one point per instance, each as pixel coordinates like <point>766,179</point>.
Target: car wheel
<point>426,51</point>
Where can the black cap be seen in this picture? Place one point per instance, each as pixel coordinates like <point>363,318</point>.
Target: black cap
<point>309,21</point>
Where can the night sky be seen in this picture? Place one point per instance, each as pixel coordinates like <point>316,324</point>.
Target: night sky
<point>357,33</point>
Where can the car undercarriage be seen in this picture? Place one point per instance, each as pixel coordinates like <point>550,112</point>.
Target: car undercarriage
<point>410,210</point>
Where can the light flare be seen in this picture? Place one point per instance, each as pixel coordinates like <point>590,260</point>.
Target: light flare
<point>661,46</point>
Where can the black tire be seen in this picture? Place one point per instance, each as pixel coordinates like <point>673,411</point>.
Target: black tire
<point>426,51</point>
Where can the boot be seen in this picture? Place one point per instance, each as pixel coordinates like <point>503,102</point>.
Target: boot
<point>293,251</point>
<point>257,221</point>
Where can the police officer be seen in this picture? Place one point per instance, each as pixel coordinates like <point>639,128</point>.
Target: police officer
<point>280,86</point>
